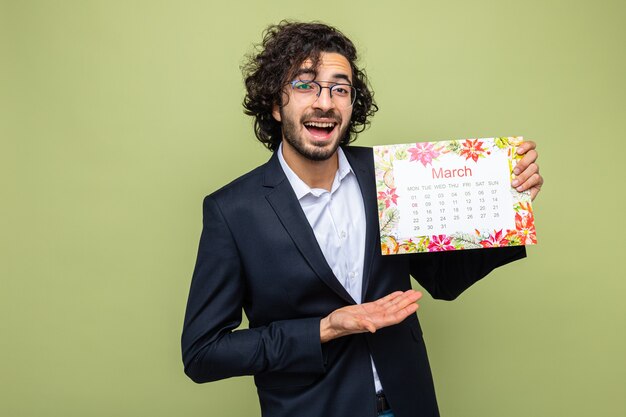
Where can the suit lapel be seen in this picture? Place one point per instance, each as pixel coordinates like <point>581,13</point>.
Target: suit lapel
<point>287,207</point>
<point>364,170</point>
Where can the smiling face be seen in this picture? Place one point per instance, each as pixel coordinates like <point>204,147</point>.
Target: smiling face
<point>314,129</point>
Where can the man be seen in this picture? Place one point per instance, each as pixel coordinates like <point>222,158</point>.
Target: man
<point>295,244</point>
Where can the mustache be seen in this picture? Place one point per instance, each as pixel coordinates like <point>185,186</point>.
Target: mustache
<point>320,114</point>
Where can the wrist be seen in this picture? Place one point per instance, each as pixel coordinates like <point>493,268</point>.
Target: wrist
<point>326,331</point>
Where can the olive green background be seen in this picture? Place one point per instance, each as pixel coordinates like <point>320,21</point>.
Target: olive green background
<point>117,117</point>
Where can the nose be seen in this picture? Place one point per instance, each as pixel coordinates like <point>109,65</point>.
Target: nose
<point>324,101</point>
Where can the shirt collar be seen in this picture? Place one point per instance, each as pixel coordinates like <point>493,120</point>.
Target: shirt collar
<point>300,187</point>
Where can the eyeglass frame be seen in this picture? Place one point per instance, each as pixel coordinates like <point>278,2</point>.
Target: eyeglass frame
<point>330,89</point>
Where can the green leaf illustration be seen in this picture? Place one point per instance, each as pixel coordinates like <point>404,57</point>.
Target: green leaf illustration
<point>502,142</point>
<point>466,240</point>
<point>389,221</point>
<point>453,146</point>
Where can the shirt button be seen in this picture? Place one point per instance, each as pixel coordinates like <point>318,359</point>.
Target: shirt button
<point>342,234</point>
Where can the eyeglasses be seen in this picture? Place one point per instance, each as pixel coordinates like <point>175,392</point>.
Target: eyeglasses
<point>307,91</point>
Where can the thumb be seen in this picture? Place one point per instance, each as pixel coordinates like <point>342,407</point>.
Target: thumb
<point>368,325</point>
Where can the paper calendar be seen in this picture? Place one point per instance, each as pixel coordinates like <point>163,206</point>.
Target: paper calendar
<point>450,195</point>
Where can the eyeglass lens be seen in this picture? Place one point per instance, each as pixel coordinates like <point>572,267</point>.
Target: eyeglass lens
<point>343,95</point>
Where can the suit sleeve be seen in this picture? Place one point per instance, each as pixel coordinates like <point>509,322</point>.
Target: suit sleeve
<point>445,275</point>
<point>211,348</point>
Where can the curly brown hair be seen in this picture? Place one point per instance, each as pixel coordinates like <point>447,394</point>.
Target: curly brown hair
<point>274,63</point>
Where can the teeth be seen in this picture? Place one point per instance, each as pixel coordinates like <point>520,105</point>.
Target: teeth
<point>320,124</point>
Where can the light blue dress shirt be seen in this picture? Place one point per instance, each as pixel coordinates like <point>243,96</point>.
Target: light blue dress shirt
<point>338,221</point>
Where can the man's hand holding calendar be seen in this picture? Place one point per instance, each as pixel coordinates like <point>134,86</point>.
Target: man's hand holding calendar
<point>527,170</point>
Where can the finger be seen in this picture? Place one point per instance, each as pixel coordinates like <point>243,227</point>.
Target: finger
<point>365,324</point>
<point>525,146</point>
<point>529,158</point>
<point>401,299</point>
<point>400,315</point>
<point>403,308</point>
<point>408,310</point>
<point>535,190</point>
<point>525,176</point>
<point>533,181</point>
<point>388,300</point>
<point>409,297</point>
<point>394,314</point>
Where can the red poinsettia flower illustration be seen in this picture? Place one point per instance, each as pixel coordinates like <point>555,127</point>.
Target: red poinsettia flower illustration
<point>440,243</point>
<point>424,152</point>
<point>525,226</point>
<point>388,197</point>
<point>495,240</point>
<point>472,149</point>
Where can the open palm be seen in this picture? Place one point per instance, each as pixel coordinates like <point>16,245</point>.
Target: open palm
<point>369,317</point>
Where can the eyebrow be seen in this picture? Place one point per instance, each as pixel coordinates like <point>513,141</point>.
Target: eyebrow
<point>311,71</point>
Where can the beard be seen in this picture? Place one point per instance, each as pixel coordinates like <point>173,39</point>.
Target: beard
<point>313,151</point>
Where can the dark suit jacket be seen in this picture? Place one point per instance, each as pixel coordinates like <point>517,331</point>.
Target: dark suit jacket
<point>258,252</point>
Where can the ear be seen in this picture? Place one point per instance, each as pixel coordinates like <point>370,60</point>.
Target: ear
<point>276,113</point>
